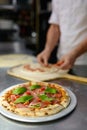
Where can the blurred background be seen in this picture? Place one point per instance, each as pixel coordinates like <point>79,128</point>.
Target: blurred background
<point>23,25</point>
<point>24,21</point>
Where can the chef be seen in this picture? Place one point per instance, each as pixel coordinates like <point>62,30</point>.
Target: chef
<point>68,25</point>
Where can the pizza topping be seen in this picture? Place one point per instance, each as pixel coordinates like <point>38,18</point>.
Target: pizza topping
<point>45,98</point>
<point>58,95</point>
<point>35,106</point>
<point>21,105</point>
<point>50,90</point>
<point>13,97</point>
<point>19,90</point>
<point>23,99</point>
<point>27,93</point>
<point>28,67</point>
<point>34,87</point>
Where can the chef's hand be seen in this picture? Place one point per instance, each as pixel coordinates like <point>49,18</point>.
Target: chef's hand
<point>66,62</point>
<point>43,57</point>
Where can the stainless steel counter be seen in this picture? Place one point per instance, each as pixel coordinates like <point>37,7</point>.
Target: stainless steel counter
<point>76,120</point>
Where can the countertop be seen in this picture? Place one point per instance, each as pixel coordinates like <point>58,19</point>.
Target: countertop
<point>76,120</point>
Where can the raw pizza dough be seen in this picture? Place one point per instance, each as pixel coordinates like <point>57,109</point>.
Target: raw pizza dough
<point>36,72</point>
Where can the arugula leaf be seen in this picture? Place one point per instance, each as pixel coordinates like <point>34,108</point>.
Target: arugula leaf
<point>50,90</point>
<point>19,90</point>
<point>45,98</point>
<point>23,99</point>
<point>34,86</point>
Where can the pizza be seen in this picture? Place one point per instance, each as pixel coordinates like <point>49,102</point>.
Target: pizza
<point>34,68</point>
<point>35,71</point>
<point>35,99</point>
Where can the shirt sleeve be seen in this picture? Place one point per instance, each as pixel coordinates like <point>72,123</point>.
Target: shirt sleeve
<point>54,18</point>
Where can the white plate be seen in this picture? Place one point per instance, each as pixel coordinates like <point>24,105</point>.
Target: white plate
<point>61,114</point>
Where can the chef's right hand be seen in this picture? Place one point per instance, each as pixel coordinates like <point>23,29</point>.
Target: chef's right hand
<point>43,57</point>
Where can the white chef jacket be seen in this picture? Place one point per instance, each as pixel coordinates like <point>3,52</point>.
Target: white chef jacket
<point>71,16</point>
